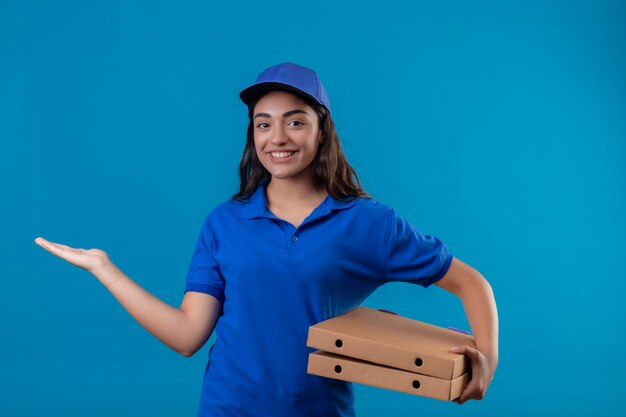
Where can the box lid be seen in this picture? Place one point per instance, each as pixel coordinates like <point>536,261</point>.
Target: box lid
<point>340,367</point>
<point>389,339</point>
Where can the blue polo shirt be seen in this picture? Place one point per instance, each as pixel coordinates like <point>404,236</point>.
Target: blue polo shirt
<point>275,280</point>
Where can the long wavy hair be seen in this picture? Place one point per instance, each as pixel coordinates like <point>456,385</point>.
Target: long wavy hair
<point>330,169</point>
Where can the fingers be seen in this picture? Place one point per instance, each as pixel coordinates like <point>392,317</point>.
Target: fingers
<point>468,351</point>
<point>465,394</point>
<point>41,241</point>
<point>89,260</point>
<point>475,390</point>
<point>49,246</point>
<point>46,244</point>
<point>62,251</point>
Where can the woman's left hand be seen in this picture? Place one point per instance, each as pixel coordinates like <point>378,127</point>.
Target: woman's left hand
<point>483,369</point>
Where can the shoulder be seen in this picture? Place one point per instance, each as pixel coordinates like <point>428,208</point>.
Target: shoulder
<point>382,215</point>
<point>372,206</point>
<point>224,216</point>
<point>228,209</point>
<point>371,210</point>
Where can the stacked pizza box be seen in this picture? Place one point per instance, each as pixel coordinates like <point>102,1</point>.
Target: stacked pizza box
<point>385,350</point>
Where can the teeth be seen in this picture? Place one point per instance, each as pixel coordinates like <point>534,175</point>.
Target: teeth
<point>282,154</point>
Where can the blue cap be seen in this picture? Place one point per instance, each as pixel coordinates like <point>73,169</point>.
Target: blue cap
<point>288,77</point>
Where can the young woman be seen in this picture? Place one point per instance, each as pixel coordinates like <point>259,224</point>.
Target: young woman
<point>299,243</point>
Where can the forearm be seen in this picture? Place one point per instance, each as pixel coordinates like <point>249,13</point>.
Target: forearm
<point>168,324</point>
<point>480,309</point>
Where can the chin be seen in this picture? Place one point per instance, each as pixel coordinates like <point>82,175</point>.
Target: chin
<point>281,176</point>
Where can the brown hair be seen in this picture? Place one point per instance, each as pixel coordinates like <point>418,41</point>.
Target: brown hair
<point>330,169</point>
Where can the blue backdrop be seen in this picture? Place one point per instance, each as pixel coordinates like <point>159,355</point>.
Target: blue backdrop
<point>499,127</point>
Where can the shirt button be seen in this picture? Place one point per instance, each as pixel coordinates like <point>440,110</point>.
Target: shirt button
<point>294,238</point>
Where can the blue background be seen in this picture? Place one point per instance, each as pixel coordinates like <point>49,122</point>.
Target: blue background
<point>499,127</point>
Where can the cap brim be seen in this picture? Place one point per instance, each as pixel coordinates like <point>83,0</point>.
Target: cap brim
<point>252,93</point>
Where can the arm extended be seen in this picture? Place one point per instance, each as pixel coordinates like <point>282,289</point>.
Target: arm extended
<point>184,329</point>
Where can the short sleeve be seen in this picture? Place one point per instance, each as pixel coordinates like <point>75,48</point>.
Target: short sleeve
<point>204,273</point>
<point>411,256</point>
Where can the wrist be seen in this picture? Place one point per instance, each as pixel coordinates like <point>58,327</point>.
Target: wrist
<point>491,355</point>
<point>492,360</point>
<point>106,272</point>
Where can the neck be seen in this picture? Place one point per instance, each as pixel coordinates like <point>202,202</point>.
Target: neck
<point>291,191</point>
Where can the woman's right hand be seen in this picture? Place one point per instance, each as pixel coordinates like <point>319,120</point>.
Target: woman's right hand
<point>88,259</point>
<point>183,329</point>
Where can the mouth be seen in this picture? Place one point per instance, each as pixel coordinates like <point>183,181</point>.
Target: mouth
<point>281,155</point>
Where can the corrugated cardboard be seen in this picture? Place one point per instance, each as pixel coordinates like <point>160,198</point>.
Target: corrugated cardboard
<point>388,339</point>
<point>354,370</point>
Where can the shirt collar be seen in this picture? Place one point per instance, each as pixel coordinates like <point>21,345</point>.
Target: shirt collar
<point>256,205</point>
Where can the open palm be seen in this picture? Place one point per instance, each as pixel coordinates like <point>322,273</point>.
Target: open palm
<point>88,259</point>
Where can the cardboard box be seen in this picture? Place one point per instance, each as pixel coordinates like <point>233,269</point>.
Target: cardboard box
<point>388,339</point>
<point>354,370</point>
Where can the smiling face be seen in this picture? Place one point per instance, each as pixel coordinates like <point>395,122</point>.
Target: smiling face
<point>286,135</point>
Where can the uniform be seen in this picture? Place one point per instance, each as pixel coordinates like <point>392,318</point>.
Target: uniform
<point>275,280</point>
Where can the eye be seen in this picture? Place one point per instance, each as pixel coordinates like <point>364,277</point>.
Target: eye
<point>262,125</point>
<point>296,123</point>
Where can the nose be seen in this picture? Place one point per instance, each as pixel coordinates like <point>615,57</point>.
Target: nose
<point>279,136</point>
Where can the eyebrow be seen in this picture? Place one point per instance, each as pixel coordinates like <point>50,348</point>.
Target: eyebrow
<point>286,114</point>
